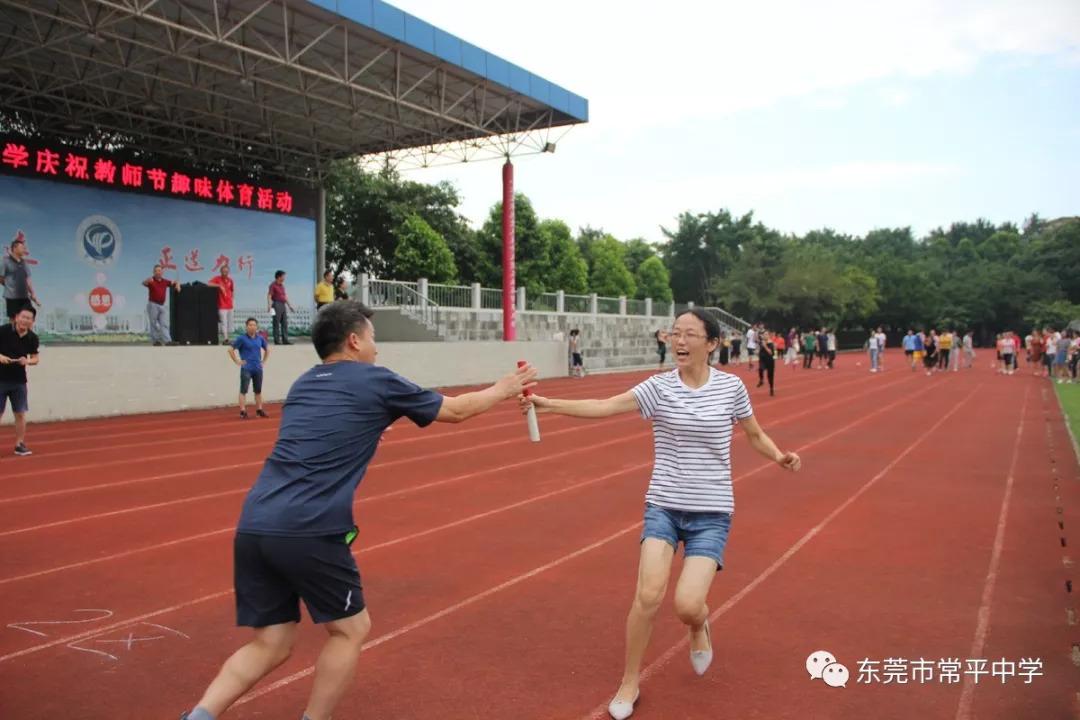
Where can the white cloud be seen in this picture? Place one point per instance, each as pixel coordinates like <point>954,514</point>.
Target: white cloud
<point>659,76</point>
<point>642,64</point>
<point>895,97</point>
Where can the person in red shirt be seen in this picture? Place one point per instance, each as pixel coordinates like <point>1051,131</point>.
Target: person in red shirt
<point>276,301</point>
<point>226,288</point>
<point>158,288</point>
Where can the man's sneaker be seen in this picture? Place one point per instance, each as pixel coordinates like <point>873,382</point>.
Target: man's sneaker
<point>243,415</point>
<point>261,413</point>
<point>21,449</point>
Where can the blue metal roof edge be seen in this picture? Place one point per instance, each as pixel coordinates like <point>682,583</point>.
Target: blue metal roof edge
<point>403,27</point>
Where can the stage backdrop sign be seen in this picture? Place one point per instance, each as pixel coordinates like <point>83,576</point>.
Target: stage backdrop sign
<point>91,248</point>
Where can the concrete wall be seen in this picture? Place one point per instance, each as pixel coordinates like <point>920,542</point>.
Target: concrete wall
<point>79,382</point>
<point>609,342</point>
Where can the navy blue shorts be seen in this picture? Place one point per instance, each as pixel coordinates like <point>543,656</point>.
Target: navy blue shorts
<point>252,377</point>
<point>272,574</point>
<point>20,402</point>
<point>703,534</point>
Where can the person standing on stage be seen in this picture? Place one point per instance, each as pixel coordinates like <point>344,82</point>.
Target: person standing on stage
<point>276,302</point>
<point>157,292</point>
<point>15,272</point>
<point>226,292</point>
<point>324,290</point>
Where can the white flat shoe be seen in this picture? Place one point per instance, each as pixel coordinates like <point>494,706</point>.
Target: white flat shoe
<point>620,709</point>
<point>701,659</point>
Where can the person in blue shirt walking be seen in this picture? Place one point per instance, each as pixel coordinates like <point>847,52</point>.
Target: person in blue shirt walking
<point>293,540</point>
<point>254,352</point>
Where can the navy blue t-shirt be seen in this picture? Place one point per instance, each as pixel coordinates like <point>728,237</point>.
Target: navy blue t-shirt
<point>331,423</point>
<point>250,350</point>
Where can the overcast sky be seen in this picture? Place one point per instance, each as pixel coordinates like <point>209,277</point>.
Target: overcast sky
<point>849,114</point>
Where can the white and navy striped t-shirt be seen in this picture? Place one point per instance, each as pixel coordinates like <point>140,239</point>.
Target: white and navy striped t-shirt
<point>692,432</point>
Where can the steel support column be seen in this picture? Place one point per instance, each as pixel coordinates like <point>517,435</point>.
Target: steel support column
<point>508,293</point>
<point>320,236</point>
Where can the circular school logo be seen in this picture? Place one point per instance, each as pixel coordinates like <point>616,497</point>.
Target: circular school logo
<point>100,300</point>
<point>98,240</point>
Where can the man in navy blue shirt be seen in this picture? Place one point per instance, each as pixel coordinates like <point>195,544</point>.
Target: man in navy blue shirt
<point>296,525</point>
<point>253,353</point>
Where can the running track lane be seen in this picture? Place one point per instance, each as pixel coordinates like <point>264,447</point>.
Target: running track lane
<point>621,609</point>
<point>111,639</point>
<point>155,580</point>
<point>561,635</point>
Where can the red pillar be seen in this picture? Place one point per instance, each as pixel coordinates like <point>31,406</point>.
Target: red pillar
<point>509,333</point>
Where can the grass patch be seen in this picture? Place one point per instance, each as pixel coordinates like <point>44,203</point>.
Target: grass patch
<point>1069,395</point>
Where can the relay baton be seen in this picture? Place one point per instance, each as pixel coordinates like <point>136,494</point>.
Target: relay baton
<point>534,426</point>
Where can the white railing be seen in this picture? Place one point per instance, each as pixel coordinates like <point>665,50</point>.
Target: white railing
<point>410,298</point>
<point>418,297</point>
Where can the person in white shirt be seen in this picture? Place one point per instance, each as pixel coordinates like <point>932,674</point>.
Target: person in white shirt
<point>694,409</point>
<point>751,345</point>
<point>880,337</point>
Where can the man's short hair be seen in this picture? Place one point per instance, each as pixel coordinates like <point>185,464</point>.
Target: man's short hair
<point>27,308</point>
<point>335,322</point>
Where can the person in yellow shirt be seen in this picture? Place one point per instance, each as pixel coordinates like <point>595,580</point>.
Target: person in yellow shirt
<point>945,344</point>
<point>324,291</point>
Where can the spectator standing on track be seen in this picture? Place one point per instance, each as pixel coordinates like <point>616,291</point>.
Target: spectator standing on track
<point>693,409</point>
<point>577,366</point>
<point>15,273</point>
<point>157,288</point>
<point>930,346</point>
<point>821,344</point>
<point>296,527</point>
<point>945,343</point>
<point>254,352</point>
<point>277,300</point>
<point>752,336</point>
<point>918,349</point>
<point>736,348</point>
<point>226,291</point>
<point>767,359</point>
<point>661,346</point>
<point>18,350</point>
<point>808,339</point>
<point>1008,352</point>
<point>969,350</point>
<point>881,340</point>
<point>831,340</point>
<point>909,347</point>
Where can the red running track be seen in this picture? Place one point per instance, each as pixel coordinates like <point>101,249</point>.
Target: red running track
<point>933,521</point>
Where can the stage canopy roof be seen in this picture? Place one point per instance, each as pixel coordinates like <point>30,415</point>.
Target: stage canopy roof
<point>281,87</point>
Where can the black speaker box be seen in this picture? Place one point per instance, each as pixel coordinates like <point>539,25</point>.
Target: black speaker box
<point>193,314</point>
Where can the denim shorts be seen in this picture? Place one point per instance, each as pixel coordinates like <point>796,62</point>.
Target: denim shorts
<point>17,393</point>
<point>703,534</point>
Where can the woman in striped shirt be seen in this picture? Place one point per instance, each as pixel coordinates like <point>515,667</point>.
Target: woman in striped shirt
<point>693,409</point>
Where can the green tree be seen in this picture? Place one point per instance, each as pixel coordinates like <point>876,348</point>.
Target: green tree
<point>423,253</point>
<point>364,212</point>
<point>570,272</point>
<point>652,280</point>
<point>610,277</point>
<point>638,250</point>
<point>532,248</point>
